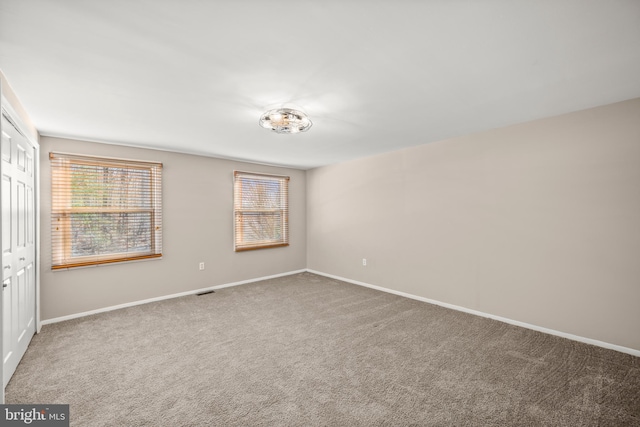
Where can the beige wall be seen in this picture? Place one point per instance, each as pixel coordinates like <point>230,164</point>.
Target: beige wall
<point>198,227</point>
<point>538,223</point>
<point>10,96</point>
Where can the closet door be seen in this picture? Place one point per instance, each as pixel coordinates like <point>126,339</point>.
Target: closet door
<point>18,246</point>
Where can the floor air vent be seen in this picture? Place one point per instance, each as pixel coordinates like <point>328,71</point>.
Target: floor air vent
<point>206,293</point>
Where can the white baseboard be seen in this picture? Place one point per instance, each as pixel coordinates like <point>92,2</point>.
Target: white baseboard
<point>164,297</point>
<point>598,343</point>
<point>603,344</point>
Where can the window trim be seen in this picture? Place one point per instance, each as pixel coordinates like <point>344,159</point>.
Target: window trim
<point>284,212</point>
<point>61,257</point>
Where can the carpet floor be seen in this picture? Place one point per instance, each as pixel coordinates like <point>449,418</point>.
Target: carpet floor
<point>306,350</point>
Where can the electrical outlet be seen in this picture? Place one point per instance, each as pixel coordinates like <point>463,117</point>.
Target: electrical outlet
<point>364,262</point>
<point>202,266</point>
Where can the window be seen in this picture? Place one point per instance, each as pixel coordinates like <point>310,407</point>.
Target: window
<point>261,210</point>
<point>104,210</point>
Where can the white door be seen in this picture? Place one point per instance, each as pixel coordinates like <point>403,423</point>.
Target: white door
<point>18,246</point>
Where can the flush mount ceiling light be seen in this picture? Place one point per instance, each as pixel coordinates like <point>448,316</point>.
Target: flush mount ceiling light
<point>285,120</point>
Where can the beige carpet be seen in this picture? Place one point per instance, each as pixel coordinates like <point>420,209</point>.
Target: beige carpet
<point>305,350</point>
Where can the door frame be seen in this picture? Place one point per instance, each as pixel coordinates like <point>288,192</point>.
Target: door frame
<point>7,109</point>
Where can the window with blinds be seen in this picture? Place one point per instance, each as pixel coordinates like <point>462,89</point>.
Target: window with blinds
<point>104,210</point>
<point>261,211</point>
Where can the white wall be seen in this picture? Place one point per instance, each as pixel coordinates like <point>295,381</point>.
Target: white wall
<point>198,227</point>
<point>16,105</point>
<point>538,222</point>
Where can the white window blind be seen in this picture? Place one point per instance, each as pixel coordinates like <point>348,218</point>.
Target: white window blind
<point>104,210</point>
<point>261,210</point>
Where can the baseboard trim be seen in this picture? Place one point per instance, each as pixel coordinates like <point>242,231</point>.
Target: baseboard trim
<point>603,344</point>
<point>164,297</point>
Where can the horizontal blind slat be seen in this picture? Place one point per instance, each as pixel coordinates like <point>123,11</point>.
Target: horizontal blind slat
<point>261,210</point>
<point>104,210</point>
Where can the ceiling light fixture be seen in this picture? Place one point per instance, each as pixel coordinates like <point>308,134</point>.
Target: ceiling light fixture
<point>285,120</point>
